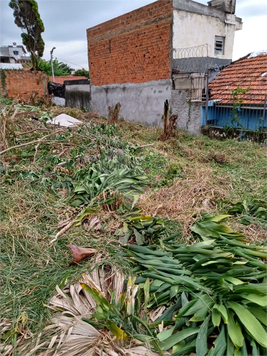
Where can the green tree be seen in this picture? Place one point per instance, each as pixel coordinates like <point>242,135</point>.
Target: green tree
<point>27,17</point>
<point>82,73</point>
<point>60,68</point>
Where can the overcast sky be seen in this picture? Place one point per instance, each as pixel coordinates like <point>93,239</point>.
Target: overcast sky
<point>66,22</point>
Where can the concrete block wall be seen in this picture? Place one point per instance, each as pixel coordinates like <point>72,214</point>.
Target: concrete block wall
<point>189,112</point>
<point>132,48</point>
<point>22,83</point>
<point>78,93</point>
<point>140,102</point>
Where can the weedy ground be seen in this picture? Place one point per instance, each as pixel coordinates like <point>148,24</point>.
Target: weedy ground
<point>43,169</point>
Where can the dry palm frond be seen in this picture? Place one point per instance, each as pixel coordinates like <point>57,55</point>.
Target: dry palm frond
<point>69,335</point>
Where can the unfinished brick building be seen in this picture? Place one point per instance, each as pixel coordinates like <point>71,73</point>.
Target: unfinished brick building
<point>148,55</point>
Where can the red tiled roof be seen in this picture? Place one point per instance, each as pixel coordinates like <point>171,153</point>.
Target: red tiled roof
<point>244,73</point>
<point>60,80</point>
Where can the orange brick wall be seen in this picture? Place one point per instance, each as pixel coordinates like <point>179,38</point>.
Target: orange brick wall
<point>22,83</point>
<point>132,48</point>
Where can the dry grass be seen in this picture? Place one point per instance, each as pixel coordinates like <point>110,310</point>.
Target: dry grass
<point>254,232</point>
<point>187,198</point>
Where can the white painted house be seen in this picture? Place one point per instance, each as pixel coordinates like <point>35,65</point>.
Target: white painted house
<point>13,54</point>
<point>209,31</point>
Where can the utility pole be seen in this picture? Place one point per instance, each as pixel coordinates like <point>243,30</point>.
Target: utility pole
<point>51,52</point>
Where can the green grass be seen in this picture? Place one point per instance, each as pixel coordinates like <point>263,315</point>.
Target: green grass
<point>30,267</point>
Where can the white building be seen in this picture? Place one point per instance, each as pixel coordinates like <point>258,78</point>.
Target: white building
<point>13,54</point>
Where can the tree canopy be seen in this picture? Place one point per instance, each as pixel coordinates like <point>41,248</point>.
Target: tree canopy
<point>60,68</point>
<point>27,17</point>
<point>82,73</point>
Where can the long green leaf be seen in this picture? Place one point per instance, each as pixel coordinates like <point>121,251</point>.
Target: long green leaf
<point>201,314</point>
<point>233,280</point>
<point>177,337</point>
<point>186,350</point>
<point>251,288</point>
<point>148,251</point>
<point>219,344</point>
<point>248,251</point>
<point>186,307</point>
<point>256,298</point>
<point>202,301</point>
<point>210,228</point>
<point>165,334</point>
<point>168,313</point>
<point>216,317</point>
<point>139,237</point>
<point>118,332</point>
<point>230,347</point>
<point>259,313</point>
<point>244,351</point>
<point>222,310</point>
<point>255,348</point>
<point>201,341</point>
<point>234,331</point>
<point>97,295</point>
<point>249,321</point>
<point>178,347</point>
<point>176,280</point>
<point>146,292</point>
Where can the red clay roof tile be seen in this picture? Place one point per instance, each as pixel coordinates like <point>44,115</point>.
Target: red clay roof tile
<point>248,72</point>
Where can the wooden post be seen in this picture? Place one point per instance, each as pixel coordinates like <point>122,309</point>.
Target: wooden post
<point>166,117</point>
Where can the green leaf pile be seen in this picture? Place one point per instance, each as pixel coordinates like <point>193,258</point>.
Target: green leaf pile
<point>215,291</point>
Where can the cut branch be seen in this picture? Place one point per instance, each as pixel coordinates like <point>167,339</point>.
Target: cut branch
<point>30,143</point>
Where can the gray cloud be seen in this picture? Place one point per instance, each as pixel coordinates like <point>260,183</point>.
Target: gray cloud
<point>66,22</point>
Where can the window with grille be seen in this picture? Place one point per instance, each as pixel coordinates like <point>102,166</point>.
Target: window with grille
<point>219,45</point>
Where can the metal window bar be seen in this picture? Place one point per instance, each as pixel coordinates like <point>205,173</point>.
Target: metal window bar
<point>219,45</point>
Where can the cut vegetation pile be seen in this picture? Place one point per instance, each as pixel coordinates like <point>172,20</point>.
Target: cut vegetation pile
<point>163,274</point>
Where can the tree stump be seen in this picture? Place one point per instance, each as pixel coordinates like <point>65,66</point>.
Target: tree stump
<point>32,97</point>
<point>113,113</point>
<point>169,123</point>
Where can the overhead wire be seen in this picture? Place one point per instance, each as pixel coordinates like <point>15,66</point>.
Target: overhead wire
<point>71,63</point>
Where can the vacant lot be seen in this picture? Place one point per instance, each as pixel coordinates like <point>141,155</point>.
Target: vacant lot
<point>49,175</point>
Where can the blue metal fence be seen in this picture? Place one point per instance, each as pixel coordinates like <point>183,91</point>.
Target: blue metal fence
<point>246,116</point>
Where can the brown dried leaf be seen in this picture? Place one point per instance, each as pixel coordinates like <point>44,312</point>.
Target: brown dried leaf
<point>80,253</point>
